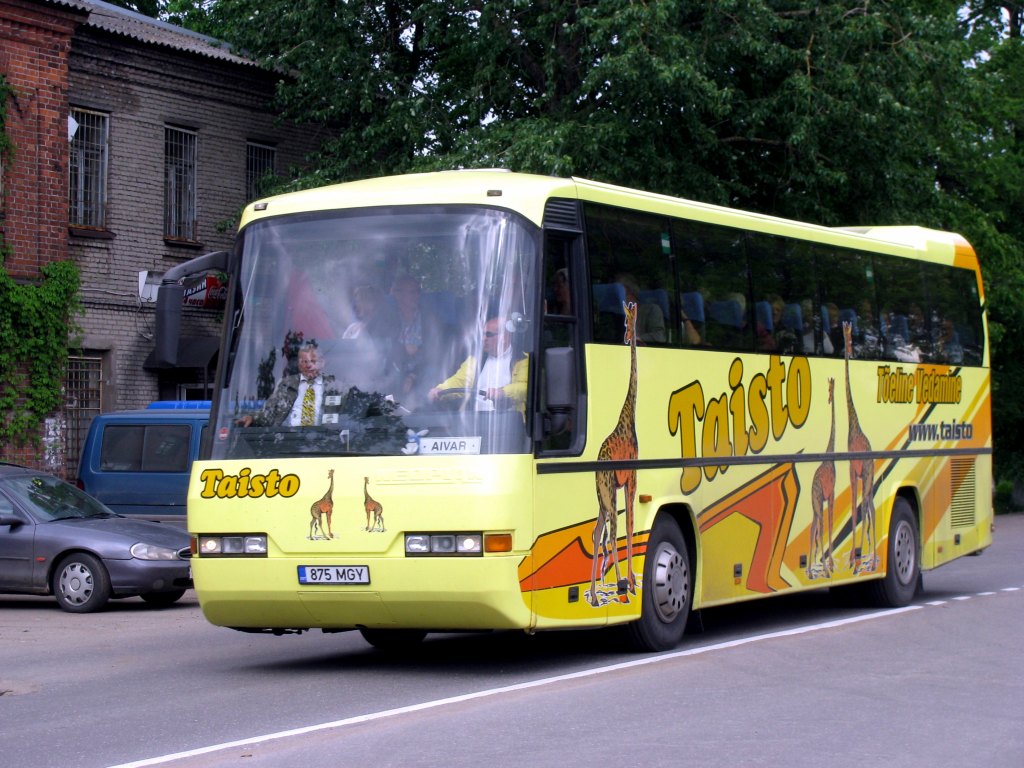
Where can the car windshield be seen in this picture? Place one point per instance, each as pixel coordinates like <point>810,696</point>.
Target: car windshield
<point>49,498</point>
<point>380,332</point>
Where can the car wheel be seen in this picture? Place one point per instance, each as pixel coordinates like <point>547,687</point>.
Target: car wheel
<point>81,584</point>
<point>667,590</point>
<point>162,599</point>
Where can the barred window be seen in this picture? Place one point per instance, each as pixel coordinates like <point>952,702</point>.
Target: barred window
<point>259,163</point>
<point>87,177</point>
<point>180,184</point>
<point>82,387</point>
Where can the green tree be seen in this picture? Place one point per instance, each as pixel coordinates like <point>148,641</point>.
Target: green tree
<point>842,112</point>
<point>984,185</point>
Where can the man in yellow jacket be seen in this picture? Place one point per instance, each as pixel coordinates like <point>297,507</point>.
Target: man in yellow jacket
<point>498,380</point>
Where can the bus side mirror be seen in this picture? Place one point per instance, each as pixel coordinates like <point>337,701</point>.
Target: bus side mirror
<point>169,299</point>
<point>559,387</point>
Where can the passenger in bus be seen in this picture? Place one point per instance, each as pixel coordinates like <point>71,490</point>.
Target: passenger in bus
<point>832,330</point>
<point>807,318</point>
<point>947,347</point>
<point>368,305</point>
<point>561,302</point>
<point>298,399</point>
<point>417,347</point>
<point>495,382</point>
<point>650,320</point>
<point>867,331</point>
<point>920,336</point>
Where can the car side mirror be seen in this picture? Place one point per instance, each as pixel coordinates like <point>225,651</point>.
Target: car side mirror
<point>12,520</point>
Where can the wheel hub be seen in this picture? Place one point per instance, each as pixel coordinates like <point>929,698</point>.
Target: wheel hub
<point>671,583</point>
<point>76,583</point>
<point>904,552</point>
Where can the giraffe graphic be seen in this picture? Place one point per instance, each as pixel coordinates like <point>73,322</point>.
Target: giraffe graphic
<point>321,511</point>
<point>374,509</point>
<point>823,493</point>
<point>862,477</point>
<point>620,445</point>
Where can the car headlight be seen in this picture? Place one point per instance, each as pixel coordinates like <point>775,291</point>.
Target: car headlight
<point>143,551</point>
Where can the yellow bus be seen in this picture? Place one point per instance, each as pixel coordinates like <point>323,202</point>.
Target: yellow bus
<point>481,400</point>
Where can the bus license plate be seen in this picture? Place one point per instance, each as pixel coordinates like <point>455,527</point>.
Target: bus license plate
<point>334,574</point>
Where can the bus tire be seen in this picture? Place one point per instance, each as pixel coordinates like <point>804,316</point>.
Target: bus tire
<point>392,639</point>
<point>903,563</point>
<point>667,590</point>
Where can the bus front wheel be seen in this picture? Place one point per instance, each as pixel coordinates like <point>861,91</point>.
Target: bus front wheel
<point>667,590</point>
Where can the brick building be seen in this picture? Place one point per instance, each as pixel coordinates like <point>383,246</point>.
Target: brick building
<point>136,145</point>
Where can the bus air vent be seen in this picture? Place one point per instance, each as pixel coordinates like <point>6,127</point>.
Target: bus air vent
<point>963,481</point>
<point>562,214</point>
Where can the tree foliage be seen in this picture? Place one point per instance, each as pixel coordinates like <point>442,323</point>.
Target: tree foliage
<point>841,112</point>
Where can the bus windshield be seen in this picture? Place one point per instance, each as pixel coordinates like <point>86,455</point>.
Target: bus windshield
<point>383,332</point>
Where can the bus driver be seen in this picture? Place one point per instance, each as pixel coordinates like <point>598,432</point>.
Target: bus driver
<point>498,380</point>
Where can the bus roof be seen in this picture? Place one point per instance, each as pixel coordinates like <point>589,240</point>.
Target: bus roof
<point>528,194</point>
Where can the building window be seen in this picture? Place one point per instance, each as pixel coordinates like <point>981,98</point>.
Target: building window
<point>179,184</point>
<point>83,399</point>
<point>259,164</point>
<point>87,184</point>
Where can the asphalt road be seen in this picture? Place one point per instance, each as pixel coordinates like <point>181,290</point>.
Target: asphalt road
<point>802,680</point>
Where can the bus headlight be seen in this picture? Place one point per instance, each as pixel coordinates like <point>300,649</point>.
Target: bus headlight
<point>443,544</point>
<point>237,545</point>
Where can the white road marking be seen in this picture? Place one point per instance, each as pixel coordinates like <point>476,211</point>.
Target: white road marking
<point>652,659</point>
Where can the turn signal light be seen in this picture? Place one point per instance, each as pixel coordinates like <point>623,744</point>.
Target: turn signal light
<point>498,542</point>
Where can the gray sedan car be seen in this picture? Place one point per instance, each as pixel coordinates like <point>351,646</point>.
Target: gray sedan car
<point>56,539</point>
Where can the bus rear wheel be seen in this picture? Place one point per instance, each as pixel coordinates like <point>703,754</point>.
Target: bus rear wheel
<point>903,566</point>
<point>667,590</point>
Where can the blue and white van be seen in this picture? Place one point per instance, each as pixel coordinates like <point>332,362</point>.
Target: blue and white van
<point>138,462</point>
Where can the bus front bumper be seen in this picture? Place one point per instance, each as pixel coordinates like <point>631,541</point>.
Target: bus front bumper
<point>431,593</point>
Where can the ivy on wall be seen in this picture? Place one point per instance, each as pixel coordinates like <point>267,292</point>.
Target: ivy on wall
<point>35,322</point>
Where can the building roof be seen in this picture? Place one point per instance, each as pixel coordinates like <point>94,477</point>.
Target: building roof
<point>121,21</point>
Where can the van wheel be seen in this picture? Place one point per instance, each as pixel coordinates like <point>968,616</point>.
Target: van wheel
<point>81,583</point>
<point>667,590</point>
<point>903,566</point>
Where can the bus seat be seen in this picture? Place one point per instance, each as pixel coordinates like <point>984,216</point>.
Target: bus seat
<point>763,314</point>
<point>900,327</point>
<point>726,312</point>
<point>658,297</point>
<point>849,316</point>
<point>693,306</point>
<point>444,306</point>
<point>609,297</point>
<point>792,318</point>
<point>608,312</point>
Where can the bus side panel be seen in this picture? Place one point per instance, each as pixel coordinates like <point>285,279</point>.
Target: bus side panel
<point>785,449</point>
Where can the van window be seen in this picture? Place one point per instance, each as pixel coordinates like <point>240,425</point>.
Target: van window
<point>149,448</point>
